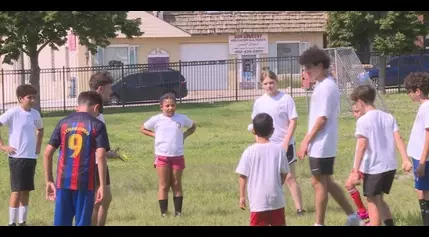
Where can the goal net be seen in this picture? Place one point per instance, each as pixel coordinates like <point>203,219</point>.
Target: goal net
<point>349,72</point>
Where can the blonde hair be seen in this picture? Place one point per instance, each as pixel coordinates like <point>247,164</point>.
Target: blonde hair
<point>269,74</point>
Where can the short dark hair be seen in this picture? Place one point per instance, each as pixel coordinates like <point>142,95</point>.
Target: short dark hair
<point>365,93</point>
<point>168,96</point>
<point>263,125</point>
<point>90,98</point>
<point>417,80</point>
<point>24,90</point>
<point>100,79</point>
<point>313,56</point>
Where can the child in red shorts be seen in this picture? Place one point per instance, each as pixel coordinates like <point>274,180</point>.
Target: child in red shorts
<point>263,168</point>
<point>166,128</point>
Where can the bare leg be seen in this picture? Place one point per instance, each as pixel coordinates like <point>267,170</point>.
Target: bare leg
<point>294,187</point>
<point>176,185</point>
<point>374,204</point>
<point>321,197</point>
<point>163,187</point>
<point>337,193</point>
<point>104,207</point>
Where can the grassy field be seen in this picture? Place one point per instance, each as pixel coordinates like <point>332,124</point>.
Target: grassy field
<point>210,182</point>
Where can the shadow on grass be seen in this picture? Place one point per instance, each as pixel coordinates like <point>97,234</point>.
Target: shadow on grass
<point>139,108</point>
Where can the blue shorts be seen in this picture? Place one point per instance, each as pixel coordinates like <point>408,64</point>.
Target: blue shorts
<point>73,203</point>
<point>421,183</point>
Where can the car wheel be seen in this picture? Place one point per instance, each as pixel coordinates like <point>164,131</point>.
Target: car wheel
<point>375,82</point>
<point>114,100</point>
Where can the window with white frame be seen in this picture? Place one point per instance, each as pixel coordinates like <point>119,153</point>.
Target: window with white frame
<point>158,59</point>
<point>287,53</point>
<point>115,55</point>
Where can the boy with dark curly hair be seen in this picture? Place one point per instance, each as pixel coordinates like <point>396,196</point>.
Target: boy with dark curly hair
<point>417,86</point>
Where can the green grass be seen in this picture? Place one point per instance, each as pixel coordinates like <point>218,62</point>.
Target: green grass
<point>210,182</point>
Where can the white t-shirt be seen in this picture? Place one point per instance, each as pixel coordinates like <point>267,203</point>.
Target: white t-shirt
<point>22,130</point>
<point>168,133</point>
<point>263,164</point>
<point>380,155</point>
<point>325,101</point>
<point>418,132</point>
<point>282,109</point>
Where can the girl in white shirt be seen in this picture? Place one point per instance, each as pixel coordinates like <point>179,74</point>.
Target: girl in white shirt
<point>281,107</point>
<point>166,128</point>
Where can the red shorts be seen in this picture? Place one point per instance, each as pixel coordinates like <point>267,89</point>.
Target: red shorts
<point>177,162</point>
<point>273,218</point>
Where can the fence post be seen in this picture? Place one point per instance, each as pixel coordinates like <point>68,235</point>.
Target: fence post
<point>2,90</point>
<point>122,87</point>
<point>64,88</point>
<point>180,74</point>
<point>291,76</point>
<point>236,78</point>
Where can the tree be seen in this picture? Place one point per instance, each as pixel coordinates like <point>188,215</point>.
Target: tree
<point>31,31</point>
<point>389,32</point>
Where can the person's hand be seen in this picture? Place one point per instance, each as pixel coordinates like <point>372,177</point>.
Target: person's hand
<point>100,195</point>
<point>51,191</point>
<point>8,149</point>
<point>355,177</point>
<point>243,203</point>
<point>303,148</point>
<point>420,171</point>
<point>407,166</point>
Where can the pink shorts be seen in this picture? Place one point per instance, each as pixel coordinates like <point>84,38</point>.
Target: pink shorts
<point>177,162</point>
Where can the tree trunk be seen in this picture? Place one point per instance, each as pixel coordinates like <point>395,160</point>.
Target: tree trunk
<point>35,78</point>
<point>382,75</point>
<point>22,67</point>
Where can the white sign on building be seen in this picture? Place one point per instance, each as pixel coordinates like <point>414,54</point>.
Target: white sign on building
<point>249,44</point>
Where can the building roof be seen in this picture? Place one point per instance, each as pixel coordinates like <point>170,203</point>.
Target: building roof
<point>202,23</point>
<point>153,27</point>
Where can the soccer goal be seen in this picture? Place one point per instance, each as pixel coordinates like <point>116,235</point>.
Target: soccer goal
<point>349,72</point>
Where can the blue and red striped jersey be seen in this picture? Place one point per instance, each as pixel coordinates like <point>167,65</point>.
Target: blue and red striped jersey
<point>78,136</point>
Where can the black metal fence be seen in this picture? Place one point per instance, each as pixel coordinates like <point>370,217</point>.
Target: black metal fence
<point>195,82</point>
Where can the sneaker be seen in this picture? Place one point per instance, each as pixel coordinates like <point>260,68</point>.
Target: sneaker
<point>178,214</point>
<point>364,216</point>
<point>300,212</point>
<point>13,224</point>
<point>355,220</point>
<point>22,224</point>
<point>163,215</point>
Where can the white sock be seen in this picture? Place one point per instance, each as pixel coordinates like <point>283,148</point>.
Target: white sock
<point>318,225</point>
<point>13,213</point>
<point>353,216</point>
<point>23,210</point>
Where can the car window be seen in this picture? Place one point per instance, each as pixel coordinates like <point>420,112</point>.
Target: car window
<point>406,61</point>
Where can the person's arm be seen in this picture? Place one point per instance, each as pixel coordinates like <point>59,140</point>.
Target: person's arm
<point>191,127</point>
<point>284,166</point>
<point>243,170</point>
<point>361,134</point>
<point>102,146</point>
<point>39,134</point>
<point>53,144</point>
<point>400,145</point>
<point>293,119</point>
<point>323,111</point>
<point>243,183</point>
<point>362,144</point>
<point>5,119</point>
<point>148,127</point>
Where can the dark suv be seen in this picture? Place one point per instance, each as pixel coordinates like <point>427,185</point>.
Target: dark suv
<point>148,86</point>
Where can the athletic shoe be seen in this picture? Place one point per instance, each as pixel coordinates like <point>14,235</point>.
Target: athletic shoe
<point>365,217</point>
<point>300,212</point>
